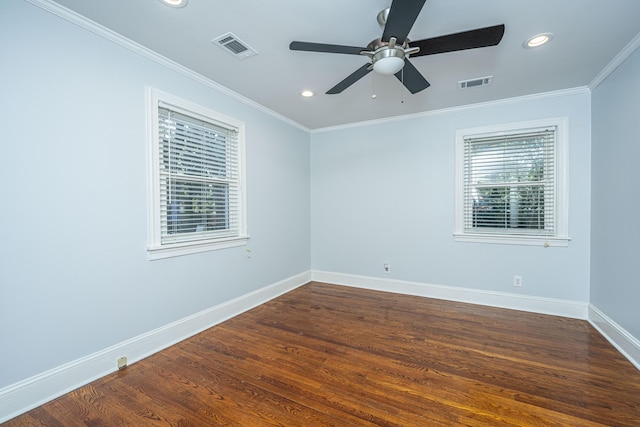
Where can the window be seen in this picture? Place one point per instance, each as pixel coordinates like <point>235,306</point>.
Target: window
<point>511,184</point>
<point>196,183</point>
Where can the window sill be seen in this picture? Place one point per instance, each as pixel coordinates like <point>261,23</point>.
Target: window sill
<point>513,240</point>
<point>180,249</point>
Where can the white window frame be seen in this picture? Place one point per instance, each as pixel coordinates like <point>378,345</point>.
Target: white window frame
<point>156,249</point>
<point>561,205</point>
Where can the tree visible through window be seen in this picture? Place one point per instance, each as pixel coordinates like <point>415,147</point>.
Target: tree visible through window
<point>197,194</point>
<point>508,180</point>
<point>510,183</point>
<point>196,176</point>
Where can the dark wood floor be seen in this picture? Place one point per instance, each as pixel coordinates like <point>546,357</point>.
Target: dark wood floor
<point>327,355</point>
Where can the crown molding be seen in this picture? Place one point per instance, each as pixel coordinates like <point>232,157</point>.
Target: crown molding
<point>89,25</point>
<point>505,101</point>
<point>117,38</point>
<point>616,62</point>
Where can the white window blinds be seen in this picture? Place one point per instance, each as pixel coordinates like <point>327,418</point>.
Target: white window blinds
<point>510,183</point>
<point>198,176</point>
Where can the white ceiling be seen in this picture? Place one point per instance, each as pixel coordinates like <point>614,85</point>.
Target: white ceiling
<point>588,34</point>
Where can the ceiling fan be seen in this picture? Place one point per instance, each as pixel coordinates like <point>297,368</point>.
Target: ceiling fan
<point>390,53</point>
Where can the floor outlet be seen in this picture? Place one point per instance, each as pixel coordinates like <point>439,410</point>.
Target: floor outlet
<point>122,363</point>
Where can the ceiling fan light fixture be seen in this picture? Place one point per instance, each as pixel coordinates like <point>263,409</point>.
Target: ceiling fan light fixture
<point>174,3</point>
<point>537,40</point>
<point>388,61</point>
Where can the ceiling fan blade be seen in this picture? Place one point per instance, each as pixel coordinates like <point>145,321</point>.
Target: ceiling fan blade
<point>411,78</point>
<point>327,48</point>
<point>402,15</point>
<point>354,77</point>
<point>482,37</point>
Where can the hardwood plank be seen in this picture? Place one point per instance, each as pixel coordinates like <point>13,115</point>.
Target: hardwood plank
<point>326,355</point>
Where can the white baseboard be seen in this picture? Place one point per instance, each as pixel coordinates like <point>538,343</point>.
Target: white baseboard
<point>32,392</point>
<point>556,307</point>
<point>622,340</point>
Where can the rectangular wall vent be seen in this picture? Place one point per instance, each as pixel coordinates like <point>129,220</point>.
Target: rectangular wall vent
<point>234,46</point>
<point>482,81</point>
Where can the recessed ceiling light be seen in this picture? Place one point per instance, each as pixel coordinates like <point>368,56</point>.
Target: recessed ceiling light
<point>537,40</point>
<point>174,3</point>
<point>307,93</point>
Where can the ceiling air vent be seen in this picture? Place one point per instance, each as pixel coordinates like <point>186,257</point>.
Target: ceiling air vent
<point>482,81</point>
<point>234,46</point>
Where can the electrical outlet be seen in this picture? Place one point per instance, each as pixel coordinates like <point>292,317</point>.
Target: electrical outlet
<point>122,362</point>
<point>517,281</point>
<point>387,267</point>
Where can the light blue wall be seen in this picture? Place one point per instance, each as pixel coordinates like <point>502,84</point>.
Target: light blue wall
<point>74,274</point>
<point>615,254</point>
<point>384,192</point>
